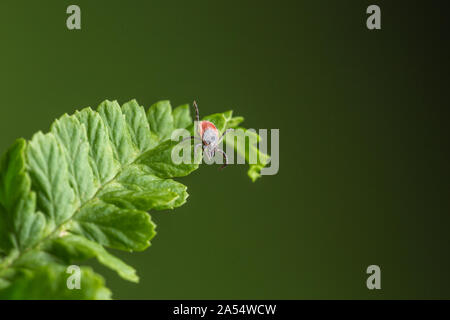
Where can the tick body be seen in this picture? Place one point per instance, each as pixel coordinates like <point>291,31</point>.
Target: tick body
<point>210,138</point>
<point>208,132</point>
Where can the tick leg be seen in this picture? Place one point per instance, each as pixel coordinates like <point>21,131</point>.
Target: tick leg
<point>223,135</point>
<point>206,153</point>
<point>225,158</point>
<point>196,111</point>
<point>197,117</point>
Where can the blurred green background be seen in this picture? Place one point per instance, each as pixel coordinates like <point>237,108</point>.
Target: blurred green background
<point>363,119</point>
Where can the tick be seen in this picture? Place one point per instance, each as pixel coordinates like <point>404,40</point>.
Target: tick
<point>210,138</point>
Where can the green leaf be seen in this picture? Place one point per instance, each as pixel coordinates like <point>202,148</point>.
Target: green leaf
<point>71,135</point>
<point>244,143</point>
<point>182,117</point>
<point>123,147</point>
<point>161,120</point>
<point>50,283</point>
<point>72,248</point>
<point>129,230</point>
<point>87,185</point>
<point>101,157</point>
<point>20,225</point>
<point>48,169</point>
<point>159,162</point>
<point>234,122</point>
<point>136,178</point>
<point>224,120</point>
<point>138,126</point>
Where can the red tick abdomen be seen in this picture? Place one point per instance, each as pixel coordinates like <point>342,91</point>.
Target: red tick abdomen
<point>205,125</point>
